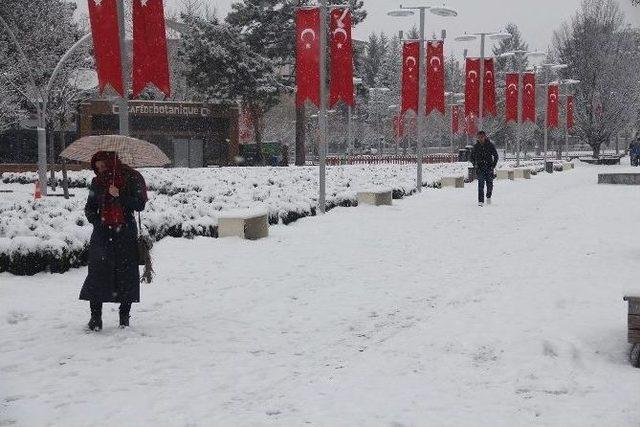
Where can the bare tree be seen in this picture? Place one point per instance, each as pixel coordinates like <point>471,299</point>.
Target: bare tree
<point>602,52</point>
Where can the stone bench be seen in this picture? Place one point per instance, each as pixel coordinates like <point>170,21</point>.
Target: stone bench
<point>383,197</point>
<point>452,182</point>
<point>619,178</point>
<point>633,329</point>
<point>246,224</point>
<point>505,174</point>
<point>522,173</point>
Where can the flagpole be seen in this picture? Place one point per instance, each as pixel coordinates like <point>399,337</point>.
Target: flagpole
<point>322,114</point>
<point>123,107</point>
<point>519,124</point>
<point>482,77</point>
<point>421,102</point>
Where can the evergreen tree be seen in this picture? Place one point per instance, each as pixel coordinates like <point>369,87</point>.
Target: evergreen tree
<point>515,63</point>
<point>391,69</point>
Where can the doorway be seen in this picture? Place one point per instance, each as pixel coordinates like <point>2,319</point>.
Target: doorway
<point>188,153</point>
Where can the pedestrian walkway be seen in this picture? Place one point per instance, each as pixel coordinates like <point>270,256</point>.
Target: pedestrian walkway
<point>431,312</point>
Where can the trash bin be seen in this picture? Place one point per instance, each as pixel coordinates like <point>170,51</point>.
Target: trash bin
<point>472,174</point>
<point>548,166</point>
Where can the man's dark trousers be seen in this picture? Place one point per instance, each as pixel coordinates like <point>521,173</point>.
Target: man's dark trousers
<point>484,177</point>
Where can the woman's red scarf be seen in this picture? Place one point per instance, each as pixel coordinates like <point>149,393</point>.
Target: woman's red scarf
<point>111,210</point>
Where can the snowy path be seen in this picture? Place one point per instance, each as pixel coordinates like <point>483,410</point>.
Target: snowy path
<point>432,312</point>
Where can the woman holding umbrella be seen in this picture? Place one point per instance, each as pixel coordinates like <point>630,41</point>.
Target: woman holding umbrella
<point>115,193</point>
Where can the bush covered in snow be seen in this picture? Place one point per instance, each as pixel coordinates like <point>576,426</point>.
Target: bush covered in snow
<point>52,234</point>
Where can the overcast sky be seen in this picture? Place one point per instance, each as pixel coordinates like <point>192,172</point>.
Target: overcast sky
<point>536,18</point>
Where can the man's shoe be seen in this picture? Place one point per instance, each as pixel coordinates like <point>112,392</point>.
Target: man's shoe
<point>480,204</point>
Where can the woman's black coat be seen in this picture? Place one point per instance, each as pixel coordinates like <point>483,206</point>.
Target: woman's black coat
<point>113,251</point>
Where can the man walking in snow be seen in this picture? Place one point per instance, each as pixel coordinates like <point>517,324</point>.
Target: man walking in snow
<point>484,158</point>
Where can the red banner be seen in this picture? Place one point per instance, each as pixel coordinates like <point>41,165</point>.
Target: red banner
<point>103,15</point>
<point>529,97</point>
<point>150,56</point>
<point>511,97</point>
<point>308,56</point>
<point>455,119</point>
<point>472,88</point>
<point>341,58</point>
<point>471,125</point>
<point>410,54</point>
<point>552,106</point>
<point>489,99</point>
<point>398,126</point>
<point>570,107</point>
<point>435,77</point>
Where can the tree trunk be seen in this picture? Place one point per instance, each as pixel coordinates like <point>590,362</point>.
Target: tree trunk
<point>300,136</point>
<point>596,150</point>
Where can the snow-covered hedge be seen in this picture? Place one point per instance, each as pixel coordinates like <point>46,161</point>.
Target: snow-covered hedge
<point>52,234</point>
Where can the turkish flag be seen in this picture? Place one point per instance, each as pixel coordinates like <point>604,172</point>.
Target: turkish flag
<point>570,107</point>
<point>103,15</point>
<point>435,76</point>
<point>529,97</point>
<point>410,89</point>
<point>398,125</point>
<point>511,96</point>
<point>308,56</point>
<point>472,88</point>
<point>150,56</point>
<point>341,58</point>
<point>455,119</point>
<point>489,98</point>
<point>471,124</point>
<point>552,105</point>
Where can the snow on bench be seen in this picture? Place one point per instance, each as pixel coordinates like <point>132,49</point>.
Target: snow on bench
<point>505,174</point>
<point>522,173</point>
<point>452,181</point>
<point>375,197</point>
<point>250,224</point>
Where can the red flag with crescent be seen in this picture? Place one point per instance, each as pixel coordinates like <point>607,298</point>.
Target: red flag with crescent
<point>552,105</point>
<point>570,107</point>
<point>471,124</point>
<point>472,88</point>
<point>529,97</point>
<point>341,87</point>
<point>103,15</point>
<point>489,98</point>
<point>455,119</point>
<point>435,76</point>
<point>511,96</point>
<point>410,54</point>
<point>398,125</point>
<point>308,56</point>
<point>150,55</point>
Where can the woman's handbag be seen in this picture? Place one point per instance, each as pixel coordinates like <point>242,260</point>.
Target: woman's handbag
<point>145,244</point>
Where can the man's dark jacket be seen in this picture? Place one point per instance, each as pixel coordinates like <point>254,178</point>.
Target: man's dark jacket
<point>484,157</point>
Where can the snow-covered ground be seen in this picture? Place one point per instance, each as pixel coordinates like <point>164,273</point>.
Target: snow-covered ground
<point>432,312</point>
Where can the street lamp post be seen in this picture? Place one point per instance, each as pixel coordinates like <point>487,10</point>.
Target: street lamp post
<point>496,36</point>
<point>546,68</point>
<point>409,11</point>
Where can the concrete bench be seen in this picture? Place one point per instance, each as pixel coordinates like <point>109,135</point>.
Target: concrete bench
<point>505,174</point>
<point>619,178</point>
<point>246,224</point>
<point>382,197</point>
<point>633,329</point>
<point>522,173</point>
<point>452,181</point>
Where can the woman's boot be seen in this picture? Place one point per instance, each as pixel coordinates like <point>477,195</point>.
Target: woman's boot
<point>125,309</point>
<point>95,324</point>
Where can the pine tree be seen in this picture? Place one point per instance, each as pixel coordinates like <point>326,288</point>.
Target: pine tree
<point>515,63</point>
